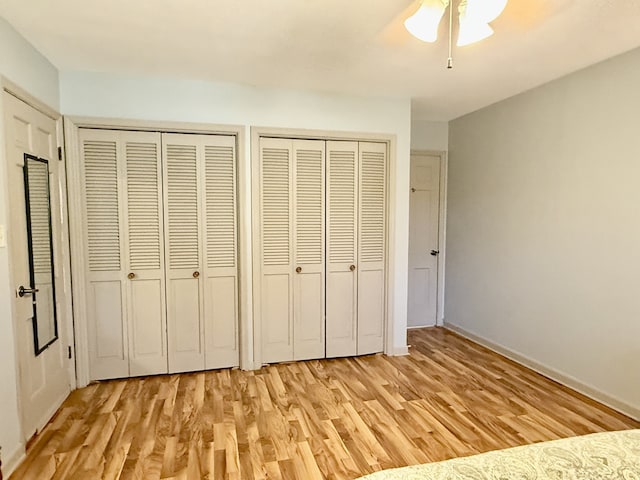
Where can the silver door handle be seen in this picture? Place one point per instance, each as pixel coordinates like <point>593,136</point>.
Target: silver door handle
<point>26,291</point>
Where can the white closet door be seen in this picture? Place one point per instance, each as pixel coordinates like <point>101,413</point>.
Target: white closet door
<point>371,247</point>
<point>185,322</point>
<point>220,251</point>
<point>104,244</point>
<point>308,251</point>
<point>123,218</point>
<point>144,247</point>
<point>275,305</point>
<point>342,221</point>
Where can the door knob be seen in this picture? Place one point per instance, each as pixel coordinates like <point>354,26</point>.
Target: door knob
<point>196,274</point>
<point>352,268</point>
<point>298,269</point>
<point>131,276</point>
<point>26,291</point>
<point>435,252</point>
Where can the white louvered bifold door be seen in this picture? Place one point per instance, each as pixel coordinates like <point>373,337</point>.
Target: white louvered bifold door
<point>124,245</point>
<point>183,232</point>
<point>275,306</point>
<point>308,249</point>
<point>144,252</point>
<point>371,247</point>
<point>220,270</point>
<point>104,248</point>
<point>342,236</point>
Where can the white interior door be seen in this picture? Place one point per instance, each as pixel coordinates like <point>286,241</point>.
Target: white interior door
<point>309,249</point>
<point>275,306</point>
<point>220,220</point>
<point>423,240</point>
<point>43,378</point>
<point>124,248</point>
<point>342,222</point>
<point>183,173</point>
<point>371,247</point>
<point>104,244</point>
<point>144,245</point>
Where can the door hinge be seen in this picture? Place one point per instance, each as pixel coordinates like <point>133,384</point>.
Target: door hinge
<point>60,153</point>
<point>69,349</point>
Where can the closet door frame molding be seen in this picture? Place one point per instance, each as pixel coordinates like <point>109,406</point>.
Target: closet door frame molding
<point>72,126</point>
<point>390,241</point>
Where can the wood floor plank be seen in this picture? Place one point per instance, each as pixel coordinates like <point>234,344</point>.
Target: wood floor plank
<point>332,419</point>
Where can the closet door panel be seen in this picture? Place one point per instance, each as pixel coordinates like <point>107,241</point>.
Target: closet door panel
<point>104,244</point>
<point>144,246</point>
<point>371,247</point>
<point>275,310</point>
<point>221,300</point>
<point>147,355</point>
<point>342,222</point>
<point>308,235</point>
<point>220,250</point>
<point>183,252</point>
<point>107,334</point>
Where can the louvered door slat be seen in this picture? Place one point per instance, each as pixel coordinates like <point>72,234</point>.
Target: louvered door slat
<point>220,191</point>
<point>101,205</point>
<point>143,207</point>
<point>342,204</point>
<point>372,206</point>
<point>275,206</point>
<point>182,206</point>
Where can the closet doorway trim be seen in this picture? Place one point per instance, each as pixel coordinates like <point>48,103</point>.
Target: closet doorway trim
<point>390,243</point>
<point>72,124</point>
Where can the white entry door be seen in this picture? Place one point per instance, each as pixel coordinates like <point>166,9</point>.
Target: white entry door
<point>423,240</point>
<point>36,262</point>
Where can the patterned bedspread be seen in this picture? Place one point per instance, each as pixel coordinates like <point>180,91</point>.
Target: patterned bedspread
<point>600,456</point>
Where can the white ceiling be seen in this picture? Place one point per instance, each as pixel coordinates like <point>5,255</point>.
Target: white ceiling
<point>346,46</point>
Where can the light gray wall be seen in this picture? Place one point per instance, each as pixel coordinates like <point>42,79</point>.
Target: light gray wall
<point>22,64</point>
<point>429,135</point>
<point>543,238</point>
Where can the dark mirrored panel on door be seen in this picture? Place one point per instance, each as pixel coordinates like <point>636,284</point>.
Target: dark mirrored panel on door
<point>42,288</point>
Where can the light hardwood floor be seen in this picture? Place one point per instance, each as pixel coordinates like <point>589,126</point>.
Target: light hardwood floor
<point>333,419</point>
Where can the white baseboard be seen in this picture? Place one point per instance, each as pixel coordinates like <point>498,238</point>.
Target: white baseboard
<point>416,327</point>
<point>399,351</point>
<point>567,380</point>
<point>11,461</point>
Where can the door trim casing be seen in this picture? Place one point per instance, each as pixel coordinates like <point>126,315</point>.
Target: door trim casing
<point>442,230</point>
<point>390,241</point>
<point>72,125</point>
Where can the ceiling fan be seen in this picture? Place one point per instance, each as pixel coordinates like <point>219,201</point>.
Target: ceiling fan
<point>474,17</point>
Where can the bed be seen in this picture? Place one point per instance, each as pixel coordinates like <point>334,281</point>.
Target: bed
<point>599,456</point>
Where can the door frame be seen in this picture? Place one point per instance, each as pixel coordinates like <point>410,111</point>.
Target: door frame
<point>72,125</point>
<point>63,295</point>
<point>390,240</point>
<point>442,230</point>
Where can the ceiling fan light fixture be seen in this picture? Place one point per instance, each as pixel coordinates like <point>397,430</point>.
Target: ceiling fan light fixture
<point>424,23</point>
<point>472,32</point>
